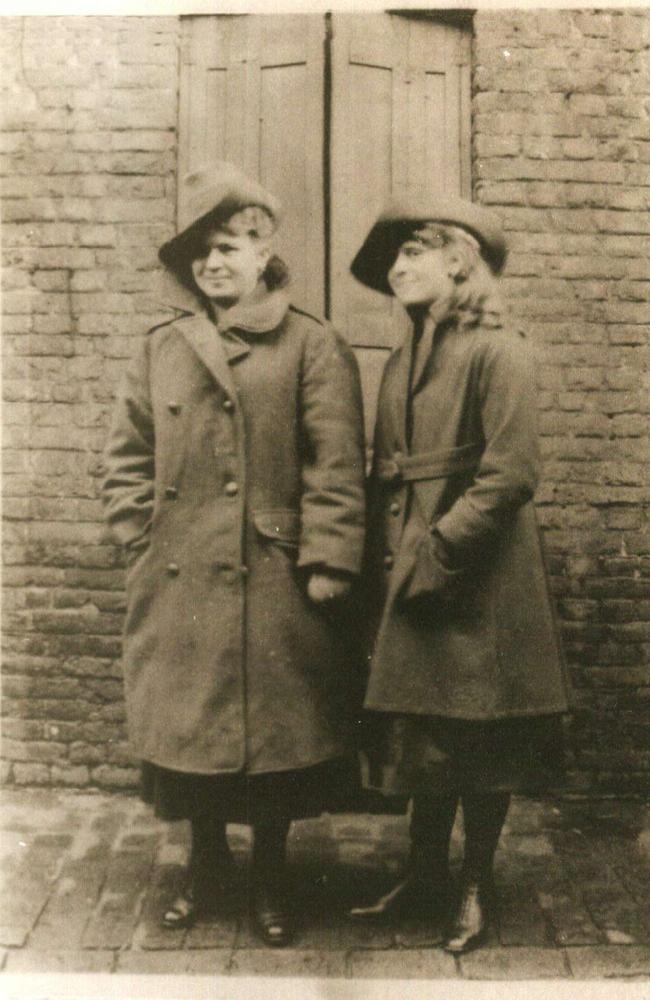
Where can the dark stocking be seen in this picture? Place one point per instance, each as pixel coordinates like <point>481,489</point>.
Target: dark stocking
<point>269,849</point>
<point>484,816</point>
<point>432,821</point>
<point>210,853</point>
<point>269,897</point>
<point>210,868</point>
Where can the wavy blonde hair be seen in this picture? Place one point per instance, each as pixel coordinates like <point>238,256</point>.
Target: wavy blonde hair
<point>476,299</point>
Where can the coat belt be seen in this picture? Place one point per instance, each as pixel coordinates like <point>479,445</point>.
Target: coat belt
<point>428,464</point>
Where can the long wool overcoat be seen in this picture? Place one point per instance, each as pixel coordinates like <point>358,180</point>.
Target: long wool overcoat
<point>235,462</point>
<point>466,628</point>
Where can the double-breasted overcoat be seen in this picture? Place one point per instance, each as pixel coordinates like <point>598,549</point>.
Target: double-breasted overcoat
<point>235,462</point>
<point>466,629</point>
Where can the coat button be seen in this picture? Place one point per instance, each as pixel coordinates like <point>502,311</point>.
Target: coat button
<point>231,488</point>
<point>171,492</point>
<point>228,405</point>
<point>174,407</point>
<point>243,571</point>
<point>395,508</point>
<point>388,561</point>
<point>173,569</point>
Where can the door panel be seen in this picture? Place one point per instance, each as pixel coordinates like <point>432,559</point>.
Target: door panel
<point>400,120</point>
<point>398,111</point>
<point>252,93</point>
<point>255,90</point>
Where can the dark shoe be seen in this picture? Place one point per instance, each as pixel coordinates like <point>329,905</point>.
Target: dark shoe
<point>472,920</point>
<point>200,897</point>
<point>271,918</point>
<point>409,898</point>
<point>183,912</point>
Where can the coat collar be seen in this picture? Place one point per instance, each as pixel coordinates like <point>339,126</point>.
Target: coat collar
<point>216,343</point>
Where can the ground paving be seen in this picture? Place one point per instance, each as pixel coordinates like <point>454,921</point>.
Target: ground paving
<point>86,877</point>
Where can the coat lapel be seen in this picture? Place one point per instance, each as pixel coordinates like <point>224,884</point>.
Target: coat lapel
<point>401,391</point>
<point>422,354</point>
<point>203,338</point>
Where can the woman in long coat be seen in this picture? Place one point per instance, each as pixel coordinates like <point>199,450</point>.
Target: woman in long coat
<point>466,678</point>
<point>234,478</point>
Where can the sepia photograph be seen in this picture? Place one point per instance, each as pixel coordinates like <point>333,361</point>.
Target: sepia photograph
<point>326,501</point>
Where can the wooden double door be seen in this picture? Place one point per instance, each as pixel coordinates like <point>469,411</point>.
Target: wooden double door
<point>334,114</point>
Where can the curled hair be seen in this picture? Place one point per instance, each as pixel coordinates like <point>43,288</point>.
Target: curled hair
<point>476,297</point>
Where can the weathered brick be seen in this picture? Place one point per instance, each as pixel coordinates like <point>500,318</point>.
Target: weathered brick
<point>111,776</point>
<point>31,774</point>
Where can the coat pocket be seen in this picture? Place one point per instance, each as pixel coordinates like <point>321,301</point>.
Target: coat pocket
<point>280,525</point>
<point>431,577</point>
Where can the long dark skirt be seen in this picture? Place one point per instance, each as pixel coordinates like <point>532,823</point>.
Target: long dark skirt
<point>332,786</point>
<point>410,754</point>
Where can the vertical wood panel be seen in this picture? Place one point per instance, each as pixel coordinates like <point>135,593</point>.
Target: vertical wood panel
<point>434,127</point>
<point>369,157</point>
<point>252,93</point>
<point>215,97</point>
<point>428,144</point>
<point>283,138</point>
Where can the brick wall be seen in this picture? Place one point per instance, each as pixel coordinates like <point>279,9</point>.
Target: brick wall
<point>562,150</point>
<point>561,108</point>
<point>90,109</point>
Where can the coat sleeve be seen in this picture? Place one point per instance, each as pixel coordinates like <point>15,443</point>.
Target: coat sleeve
<point>509,468</point>
<point>128,486</point>
<point>333,494</point>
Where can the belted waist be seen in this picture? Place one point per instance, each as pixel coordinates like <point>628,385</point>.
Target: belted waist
<point>428,464</point>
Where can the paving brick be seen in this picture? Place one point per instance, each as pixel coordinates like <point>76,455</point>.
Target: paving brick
<point>68,909</point>
<point>213,962</point>
<point>414,932</point>
<point>166,883</point>
<point>610,905</point>
<point>113,921</point>
<point>402,964</point>
<point>286,962</point>
<point>610,962</point>
<point>521,920</point>
<point>513,963</point>
<point>213,932</point>
<point>26,889</point>
<point>563,904</point>
<point>34,960</point>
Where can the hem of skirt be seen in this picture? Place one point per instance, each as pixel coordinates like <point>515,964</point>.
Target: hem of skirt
<point>332,792</point>
<point>495,717</point>
<point>243,771</point>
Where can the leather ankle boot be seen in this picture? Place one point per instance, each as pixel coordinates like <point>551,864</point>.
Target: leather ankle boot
<point>473,914</point>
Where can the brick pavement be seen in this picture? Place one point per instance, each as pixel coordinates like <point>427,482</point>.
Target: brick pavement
<point>86,875</point>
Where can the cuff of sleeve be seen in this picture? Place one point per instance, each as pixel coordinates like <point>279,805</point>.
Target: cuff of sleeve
<point>337,561</point>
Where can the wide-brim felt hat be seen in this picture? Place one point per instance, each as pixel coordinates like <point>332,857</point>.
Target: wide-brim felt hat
<point>210,196</point>
<point>397,222</point>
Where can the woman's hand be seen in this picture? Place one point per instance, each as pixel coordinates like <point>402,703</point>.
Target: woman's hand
<point>323,588</point>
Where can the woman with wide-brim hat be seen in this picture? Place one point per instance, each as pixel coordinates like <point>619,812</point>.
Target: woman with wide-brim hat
<point>235,468</point>
<point>466,683</point>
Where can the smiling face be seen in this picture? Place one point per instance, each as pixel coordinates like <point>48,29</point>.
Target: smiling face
<point>422,273</point>
<point>230,266</point>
